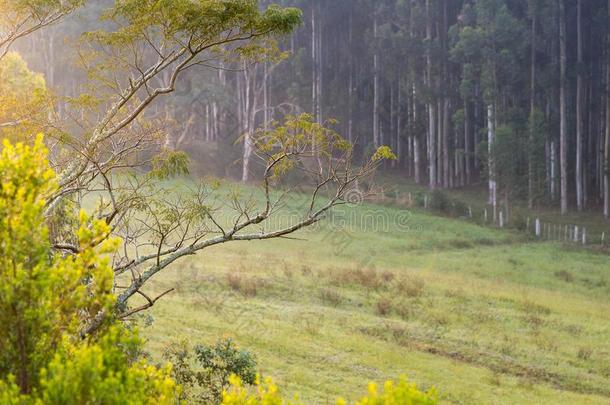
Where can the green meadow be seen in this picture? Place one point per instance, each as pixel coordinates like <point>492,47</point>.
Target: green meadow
<point>375,292</point>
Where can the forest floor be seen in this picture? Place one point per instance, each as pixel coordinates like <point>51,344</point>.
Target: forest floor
<point>376,292</point>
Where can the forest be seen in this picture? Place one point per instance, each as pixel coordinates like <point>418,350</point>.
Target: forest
<point>304,201</point>
<point>511,94</point>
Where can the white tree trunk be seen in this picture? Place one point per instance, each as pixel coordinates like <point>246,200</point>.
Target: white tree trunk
<point>416,160</point>
<point>553,153</point>
<point>493,187</point>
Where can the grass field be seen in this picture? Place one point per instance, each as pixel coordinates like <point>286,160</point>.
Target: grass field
<point>485,316</point>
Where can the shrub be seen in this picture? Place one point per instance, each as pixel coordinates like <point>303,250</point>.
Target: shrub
<point>519,222</point>
<point>459,208</point>
<point>204,372</point>
<point>387,276</point>
<point>564,275</point>
<point>331,297</point>
<point>248,286</point>
<point>405,311</point>
<point>419,199</point>
<point>267,393</point>
<point>46,299</point>
<point>584,353</point>
<point>383,306</point>
<point>403,393</point>
<point>234,280</point>
<point>366,277</point>
<point>106,373</point>
<point>440,201</point>
<point>390,194</point>
<point>411,286</point>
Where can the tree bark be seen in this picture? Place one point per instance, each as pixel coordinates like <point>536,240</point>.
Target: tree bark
<point>431,105</point>
<point>563,122</point>
<point>376,137</point>
<point>579,109</point>
<point>606,166</point>
<point>350,121</point>
<point>493,187</point>
<point>530,180</point>
<point>415,136</point>
<point>314,63</point>
<point>446,162</point>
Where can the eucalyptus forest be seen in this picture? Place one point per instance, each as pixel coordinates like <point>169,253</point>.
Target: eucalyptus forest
<point>304,201</point>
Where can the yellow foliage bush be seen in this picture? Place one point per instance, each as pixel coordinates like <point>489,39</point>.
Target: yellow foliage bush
<point>47,298</point>
<point>267,393</point>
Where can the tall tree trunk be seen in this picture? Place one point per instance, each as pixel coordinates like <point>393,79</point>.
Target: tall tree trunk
<point>563,121</point>
<point>416,135</point>
<point>392,138</point>
<point>439,142</point>
<point>447,175</point>
<point>530,176</point>
<point>314,63</point>
<point>446,163</point>
<point>376,135</point>
<point>579,109</point>
<point>350,120</point>
<point>606,165</point>
<point>431,104</point>
<point>553,156</point>
<point>476,130</point>
<point>247,123</point>
<point>319,112</point>
<point>467,155</point>
<point>265,95</point>
<point>493,187</point>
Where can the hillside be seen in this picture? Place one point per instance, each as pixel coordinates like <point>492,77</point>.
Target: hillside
<point>483,315</point>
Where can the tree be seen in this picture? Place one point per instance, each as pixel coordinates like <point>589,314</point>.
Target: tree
<point>533,11</point>
<point>24,98</point>
<point>606,151</point>
<point>146,51</point>
<point>204,372</point>
<point>22,17</point>
<point>563,123</point>
<point>579,108</point>
<point>46,299</point>
<point>432,160</point>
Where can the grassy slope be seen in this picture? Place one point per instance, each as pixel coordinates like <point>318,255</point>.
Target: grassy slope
<point>480,314</point>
